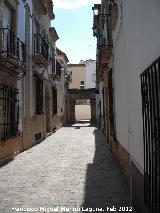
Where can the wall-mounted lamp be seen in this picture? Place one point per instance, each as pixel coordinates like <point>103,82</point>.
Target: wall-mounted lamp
<point>96,10</point>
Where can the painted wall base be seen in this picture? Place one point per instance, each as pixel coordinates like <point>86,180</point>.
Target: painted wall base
<point>134,177</point>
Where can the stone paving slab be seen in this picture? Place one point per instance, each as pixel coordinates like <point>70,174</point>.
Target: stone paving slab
<point>71,168</point>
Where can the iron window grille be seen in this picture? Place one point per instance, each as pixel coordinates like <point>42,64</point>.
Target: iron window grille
<point>54,100</point>
<point>39,95</point>
<point>9,111</point>
<point>11,46</point>
<point>150,89</point>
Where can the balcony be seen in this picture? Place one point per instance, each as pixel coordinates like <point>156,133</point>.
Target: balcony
<point>53,34</point>
<point>50,10</point>
<point>40,51</point>
<point>56,75</point>
<point>12,52</point>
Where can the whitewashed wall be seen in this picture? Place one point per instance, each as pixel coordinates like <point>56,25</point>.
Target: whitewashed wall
<point>136,46</point>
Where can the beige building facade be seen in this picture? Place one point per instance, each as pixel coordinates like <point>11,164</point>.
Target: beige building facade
<point>77,73</point>
<point>83,75</point>
<point>12,67</point>
<point>32,75</point>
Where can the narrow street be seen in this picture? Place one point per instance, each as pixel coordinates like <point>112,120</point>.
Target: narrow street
<point>72,168</point>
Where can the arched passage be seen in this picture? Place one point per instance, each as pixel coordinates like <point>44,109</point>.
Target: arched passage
<point>86,94</point>
<point>83,110</point>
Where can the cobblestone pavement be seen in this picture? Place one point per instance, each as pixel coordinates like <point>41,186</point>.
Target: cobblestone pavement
<point>72,168</point>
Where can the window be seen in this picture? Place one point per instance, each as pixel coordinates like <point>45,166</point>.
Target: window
<point>58,68</point>
<point>82,82</point>
<point>39,95</point>
<point>53,60</point>
<point>54,100</point>
<point>53,65</point>
<point>9,111</point>
<point>82,85</point>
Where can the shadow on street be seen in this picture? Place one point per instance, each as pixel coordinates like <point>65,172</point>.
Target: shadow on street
<point>105,184</point>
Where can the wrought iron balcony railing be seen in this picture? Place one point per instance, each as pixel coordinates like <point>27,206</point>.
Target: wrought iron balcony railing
<point>12,47</point>
<point>41,47</point>
<point>56,71</point>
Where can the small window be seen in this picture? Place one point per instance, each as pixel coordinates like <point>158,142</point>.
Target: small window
<point>82,82</point>
<point>82,85</point>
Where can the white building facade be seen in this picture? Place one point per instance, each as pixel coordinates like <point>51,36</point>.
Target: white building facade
<point>90,73</point>
<point>136,47</point>
<point>129,89</point>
